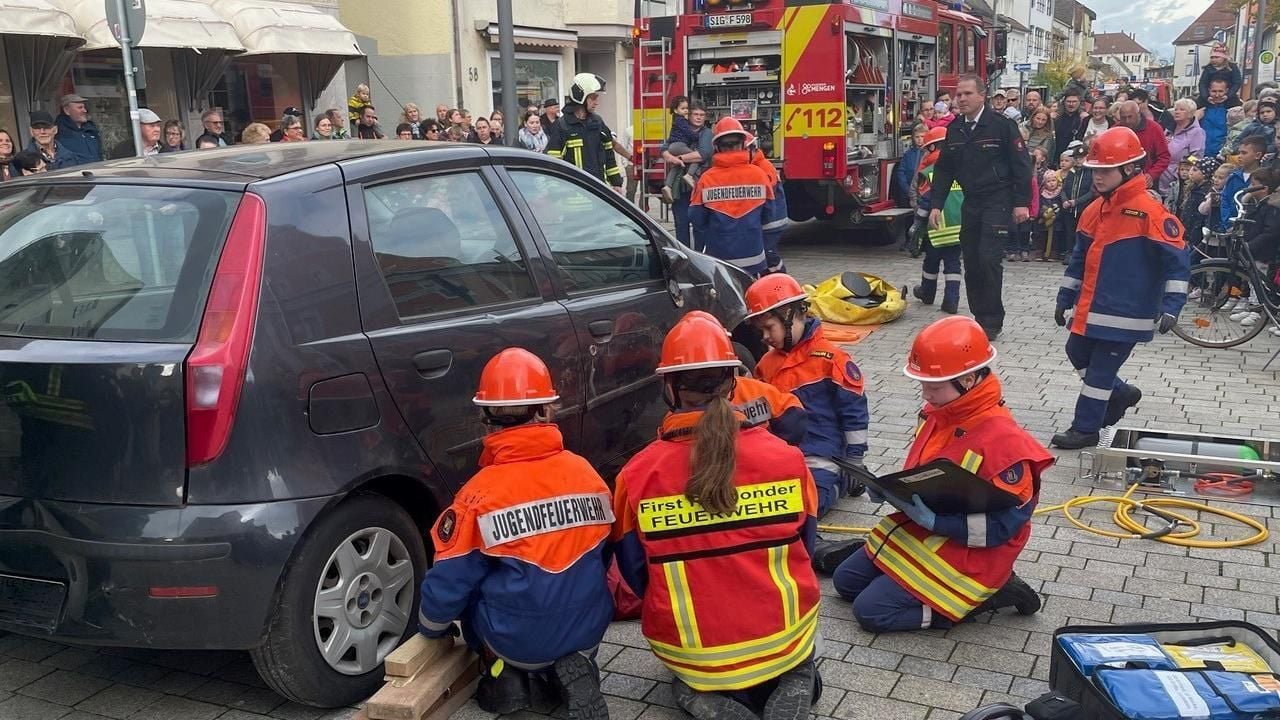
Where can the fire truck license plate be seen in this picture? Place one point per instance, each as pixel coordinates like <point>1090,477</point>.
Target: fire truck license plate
<point>729,20</point>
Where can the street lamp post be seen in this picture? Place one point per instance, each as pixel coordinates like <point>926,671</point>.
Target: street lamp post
<point>507,62</point>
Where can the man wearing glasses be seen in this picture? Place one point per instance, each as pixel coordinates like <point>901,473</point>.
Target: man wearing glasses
<point>213,129</point>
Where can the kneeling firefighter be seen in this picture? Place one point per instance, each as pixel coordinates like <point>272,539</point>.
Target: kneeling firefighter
<point>531,596</point>
<point>925,569</point>
<point>710,513</point>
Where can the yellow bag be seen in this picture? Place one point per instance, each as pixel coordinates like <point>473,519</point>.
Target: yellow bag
<point>829,302</point>
<point>1233,657</point>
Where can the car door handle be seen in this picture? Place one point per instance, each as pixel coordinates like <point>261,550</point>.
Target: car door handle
<point>601,330</point>
<point>433,363</point>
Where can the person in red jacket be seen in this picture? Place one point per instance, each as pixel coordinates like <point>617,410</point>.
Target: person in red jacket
<point>924,567</point>
<point>710,514</point>
<point>1151,135</point>
<point>519,555</point>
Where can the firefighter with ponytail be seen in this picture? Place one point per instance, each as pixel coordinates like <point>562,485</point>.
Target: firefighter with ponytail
<point>923,567</point>
<point>712,512</point>
<point>820,374</point>
<point>520,554</point>
<point>942,244</point>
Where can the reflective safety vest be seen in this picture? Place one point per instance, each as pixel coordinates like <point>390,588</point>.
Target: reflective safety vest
<point>948,232</point>
<point>730,601</point>
<point>977,433</point>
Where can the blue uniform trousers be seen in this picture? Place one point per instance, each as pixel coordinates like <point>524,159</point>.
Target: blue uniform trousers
<point>949,259</point>
<point>1098,362</point>
<point>880,604</point>
<point>684,228</point>
<point>830,487</point>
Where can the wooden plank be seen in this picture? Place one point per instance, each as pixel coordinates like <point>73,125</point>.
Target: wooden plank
<point>455,703</point>
<point>414,654</point>
<point>413,700</point>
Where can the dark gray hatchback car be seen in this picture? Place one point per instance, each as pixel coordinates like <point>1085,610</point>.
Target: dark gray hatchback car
<point>237,383</point>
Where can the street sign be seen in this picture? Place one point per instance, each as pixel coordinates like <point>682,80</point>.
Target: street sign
<point>135,19</point>
<point>1022,67</point>
<point>1266,65</point>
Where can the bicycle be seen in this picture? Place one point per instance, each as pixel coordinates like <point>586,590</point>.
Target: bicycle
<point>1215,281</point>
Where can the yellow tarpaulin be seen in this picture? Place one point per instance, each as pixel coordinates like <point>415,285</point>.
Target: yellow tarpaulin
<point>829,302</point>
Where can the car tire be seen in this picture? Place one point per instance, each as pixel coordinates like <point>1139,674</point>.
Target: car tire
<point>746,357</point>
<point>339,562</point>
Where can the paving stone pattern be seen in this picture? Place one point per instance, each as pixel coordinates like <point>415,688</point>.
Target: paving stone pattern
<point>929,674</point>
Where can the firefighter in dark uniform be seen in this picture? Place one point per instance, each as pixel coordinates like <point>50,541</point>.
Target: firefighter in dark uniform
<point>581,137</point>
<point>984,152</point>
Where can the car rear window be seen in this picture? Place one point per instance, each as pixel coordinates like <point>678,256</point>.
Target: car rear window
<point>108,262</point>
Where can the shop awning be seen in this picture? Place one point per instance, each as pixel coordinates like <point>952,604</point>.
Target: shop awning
<point>41,42</point>
<point>533,36</point>
<point>320,42</point>
<point>170,24</point>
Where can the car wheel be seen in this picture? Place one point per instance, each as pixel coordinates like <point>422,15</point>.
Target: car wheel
<point>349,597</point>
<point>746,357</point>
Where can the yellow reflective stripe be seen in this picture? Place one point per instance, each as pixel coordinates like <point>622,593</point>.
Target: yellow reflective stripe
<point>971,461</point>
<point>613,171</point>
<point>781,575</point>
<point>750,675</point>
<point>941,568</point>
<point>737,652</point>
<point>559,154</point>
<point>681,605</point>
<point>941,596</point>
<point>573,142</point>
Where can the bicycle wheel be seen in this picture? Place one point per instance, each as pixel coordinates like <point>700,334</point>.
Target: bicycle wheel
<point>1203,322</point>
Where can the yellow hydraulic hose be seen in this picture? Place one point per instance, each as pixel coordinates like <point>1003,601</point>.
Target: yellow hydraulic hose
<point>1134,530</point>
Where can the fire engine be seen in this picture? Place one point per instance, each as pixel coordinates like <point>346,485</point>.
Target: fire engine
<point>829,89</point>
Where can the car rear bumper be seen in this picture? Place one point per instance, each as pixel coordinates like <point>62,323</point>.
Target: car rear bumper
<point>194,577</point>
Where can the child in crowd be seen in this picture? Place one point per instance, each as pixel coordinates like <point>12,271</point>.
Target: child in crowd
<point>1019,246</point>
<point>1194,192</point>
<point>1173,199</point>
<point>1039,163</point>
<point>942,115</point>
<point>1248,160</point>
<point>941,245</point>
<point>820,374</point>
<point>1077,193</point>
<point>1237,118</point>
<point>1048,231</point>
<point>1211,208</point>
<point>681,140</point>
<point>905,173</point>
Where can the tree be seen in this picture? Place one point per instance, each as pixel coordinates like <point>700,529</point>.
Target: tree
<point>1055,73</point>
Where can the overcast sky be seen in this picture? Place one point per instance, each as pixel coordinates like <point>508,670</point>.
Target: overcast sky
<point>1155,22</point>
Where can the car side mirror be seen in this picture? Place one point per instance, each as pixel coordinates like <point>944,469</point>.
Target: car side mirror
<point>676,260</point>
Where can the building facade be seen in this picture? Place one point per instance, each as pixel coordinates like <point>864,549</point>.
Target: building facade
<point>249,58</point>
<point>1126,57</point>
<point>432,52</point>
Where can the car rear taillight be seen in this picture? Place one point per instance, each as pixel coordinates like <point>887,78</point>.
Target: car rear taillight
<point>829,159</point>
<point>216,367</point>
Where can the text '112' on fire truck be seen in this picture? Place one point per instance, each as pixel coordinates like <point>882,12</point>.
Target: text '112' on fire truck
<point>830,89</point>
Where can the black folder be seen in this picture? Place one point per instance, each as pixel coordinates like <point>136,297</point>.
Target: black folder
<point>943,485</point>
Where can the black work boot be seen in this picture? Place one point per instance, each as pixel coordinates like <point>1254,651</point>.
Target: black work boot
<point>1127,397</point>
<point>709,705</point>
<point>950,306</point>
<point>793,696</point>
<point>580,688</point>
<point>922,295</point>
<point>1074,440</point>
<point>504,694</point>
<point>828,554</point>
<point>1015,593</point>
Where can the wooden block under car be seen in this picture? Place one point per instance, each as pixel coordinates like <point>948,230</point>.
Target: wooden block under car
<point>413,655</point>
<point>443,685</point>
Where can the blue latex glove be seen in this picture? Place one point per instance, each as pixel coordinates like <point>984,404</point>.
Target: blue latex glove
<point>920,513</point>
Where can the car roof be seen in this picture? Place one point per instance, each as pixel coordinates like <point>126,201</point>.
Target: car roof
<point>249,163</point>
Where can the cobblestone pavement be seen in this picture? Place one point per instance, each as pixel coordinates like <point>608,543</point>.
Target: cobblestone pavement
<point>928,674</point>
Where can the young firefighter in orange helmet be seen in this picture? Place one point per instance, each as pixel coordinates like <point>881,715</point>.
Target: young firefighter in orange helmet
<point>712,513</point>
<point>733,202</point>
<point>821,375</point>
<point>926,569</point>
<point>519,555</point>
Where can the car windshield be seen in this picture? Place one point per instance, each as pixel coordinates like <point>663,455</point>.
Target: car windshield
<point>108,262</point>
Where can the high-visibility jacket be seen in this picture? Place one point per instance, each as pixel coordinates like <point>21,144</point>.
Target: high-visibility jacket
<point>776,209</point>
<point>967,557</point>
<point>586,143</point>
<point>761,403</point>
<point>948,231</point>
<point>731,204</point>
<point>520,552</point>
<point>831,387</point>
<point>1129,266</point>
<point>730,601</point>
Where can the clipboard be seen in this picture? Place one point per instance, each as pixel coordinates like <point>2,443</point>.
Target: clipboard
<point>943,485</point>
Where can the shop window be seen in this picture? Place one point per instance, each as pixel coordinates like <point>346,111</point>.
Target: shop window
<point>99,79</point>
<point>537,78</point>
<point>257,90</point>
